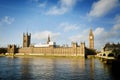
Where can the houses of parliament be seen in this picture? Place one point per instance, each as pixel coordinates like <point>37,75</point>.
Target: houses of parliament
<point>50,48</point>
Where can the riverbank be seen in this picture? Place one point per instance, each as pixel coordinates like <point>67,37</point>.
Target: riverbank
<point>40,55</point>
<point>46,56</point>
<point>2,54</point>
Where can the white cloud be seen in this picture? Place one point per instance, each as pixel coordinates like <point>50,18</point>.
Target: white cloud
<point>81,37</point>
<point>7,20</point>
<point>116,27</point>
<point>68,27</point>
<point>62,7</point>
<point>42,4</point>
<point>102,7</point>
<point>98,31</point>
<point>56,11</point>
<point>44,34</point>
<point>117,18</point>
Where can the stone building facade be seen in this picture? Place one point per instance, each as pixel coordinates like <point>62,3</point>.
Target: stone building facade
<point>50,49</point>
<point>55,51</point>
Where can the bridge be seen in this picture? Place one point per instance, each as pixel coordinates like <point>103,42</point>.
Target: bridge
<point>106,56</point>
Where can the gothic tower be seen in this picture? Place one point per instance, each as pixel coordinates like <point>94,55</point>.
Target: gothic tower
<point>48,39</point>
<point>91,39</point>
<point>26,40</point>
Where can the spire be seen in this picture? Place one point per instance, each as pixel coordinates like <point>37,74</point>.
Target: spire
<point>48,39</point>
<point>91,32</point>
<point>27,33</point>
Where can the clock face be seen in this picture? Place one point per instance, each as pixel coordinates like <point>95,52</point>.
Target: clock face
<point>91,37</point>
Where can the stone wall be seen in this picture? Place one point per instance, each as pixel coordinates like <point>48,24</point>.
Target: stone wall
<point>55,51</point>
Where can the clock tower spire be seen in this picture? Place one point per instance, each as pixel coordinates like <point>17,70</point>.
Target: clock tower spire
<point>91,39</point>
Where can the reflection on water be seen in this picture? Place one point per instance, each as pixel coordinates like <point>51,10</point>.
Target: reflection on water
<point>51,68</point>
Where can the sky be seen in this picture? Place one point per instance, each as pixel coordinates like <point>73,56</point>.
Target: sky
<point>64,20</point>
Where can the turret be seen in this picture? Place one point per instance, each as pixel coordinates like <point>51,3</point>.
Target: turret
<point>48,39</point>
<point>26,39</point>
<point>74,44</point>
<point>11,49</point>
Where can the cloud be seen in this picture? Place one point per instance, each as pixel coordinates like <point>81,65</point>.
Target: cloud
<point>81,37</point>
<point>116,27</point>
<point>98,31</point>
<point>40,3</point>
<point>102,7</point>
<point>102,36</point>
<point>68,27</point>
<point>7,20</point>
<point>62,7</point>
<point>44,34</point>
<point>43,5</point>
<point>117,19</point>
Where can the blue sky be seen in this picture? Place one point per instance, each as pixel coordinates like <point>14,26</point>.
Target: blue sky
<point>64,20</point>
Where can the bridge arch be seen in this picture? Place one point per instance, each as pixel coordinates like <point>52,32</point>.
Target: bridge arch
<point>110,55</point>
<point>100,54</point>
<point>104,54</point>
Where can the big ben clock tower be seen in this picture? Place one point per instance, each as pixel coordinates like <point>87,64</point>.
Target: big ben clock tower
<point>91,40</point>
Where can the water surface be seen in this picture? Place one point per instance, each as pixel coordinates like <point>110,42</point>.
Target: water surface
<point>53,68</point>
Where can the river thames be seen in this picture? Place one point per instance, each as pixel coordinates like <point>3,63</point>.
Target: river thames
<point>53,68</point>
